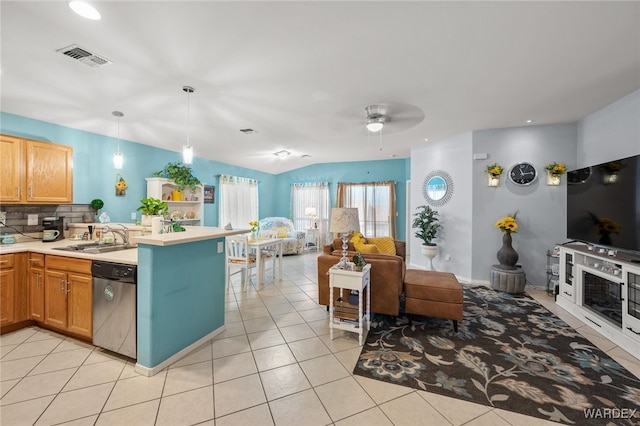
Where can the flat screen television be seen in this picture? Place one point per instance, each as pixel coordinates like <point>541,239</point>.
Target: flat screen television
<point>603,204</point>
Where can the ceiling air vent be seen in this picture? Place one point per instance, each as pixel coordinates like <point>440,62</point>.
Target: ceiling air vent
<point>85,56</point>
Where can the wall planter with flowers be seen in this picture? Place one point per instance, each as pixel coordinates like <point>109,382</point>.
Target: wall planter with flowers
<point>493,172</point>
<point>507,256</point>
<point>554,171</point>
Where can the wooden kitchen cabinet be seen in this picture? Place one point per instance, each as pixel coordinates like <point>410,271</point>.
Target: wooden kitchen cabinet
<point>13,290</point>
<point>35,172</point>
<point>68,295</point>
<point>36,287</point>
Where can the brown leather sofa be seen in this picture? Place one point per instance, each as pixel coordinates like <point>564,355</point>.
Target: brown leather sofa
<point>387,275</point>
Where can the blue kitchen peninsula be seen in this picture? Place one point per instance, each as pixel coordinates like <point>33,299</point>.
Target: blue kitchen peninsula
<point>181,294</point>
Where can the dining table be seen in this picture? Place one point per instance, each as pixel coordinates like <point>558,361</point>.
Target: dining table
<point>262,245</point>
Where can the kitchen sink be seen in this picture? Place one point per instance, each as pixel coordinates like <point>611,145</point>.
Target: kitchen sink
<point>95,248</point>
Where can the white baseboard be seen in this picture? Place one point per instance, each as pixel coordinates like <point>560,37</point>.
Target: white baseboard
<point>151,371</point>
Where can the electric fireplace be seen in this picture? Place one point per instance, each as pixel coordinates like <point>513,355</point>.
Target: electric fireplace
<point>602,294</point>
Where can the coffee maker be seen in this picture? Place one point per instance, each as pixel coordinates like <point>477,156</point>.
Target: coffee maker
<point>56,223</point>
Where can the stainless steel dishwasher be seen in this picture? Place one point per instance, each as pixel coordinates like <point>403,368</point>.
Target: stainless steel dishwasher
<point>114,307</point>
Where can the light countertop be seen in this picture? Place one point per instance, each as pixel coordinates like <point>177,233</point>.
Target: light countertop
<point>130,256</point>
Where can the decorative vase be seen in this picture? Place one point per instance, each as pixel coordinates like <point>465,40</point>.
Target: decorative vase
<point>253,236</point>
<point>494,180</point>
<point>430,252</point>
<point>507,256</point>
<point>176,195</point>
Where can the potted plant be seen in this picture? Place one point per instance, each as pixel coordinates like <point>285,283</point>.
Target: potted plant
<point>181,175</point>
<point>427,226</point>
<point>95,204</point>
<point>152,207</point>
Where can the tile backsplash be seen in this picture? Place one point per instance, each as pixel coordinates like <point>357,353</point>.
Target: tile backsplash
<point>17,215</point>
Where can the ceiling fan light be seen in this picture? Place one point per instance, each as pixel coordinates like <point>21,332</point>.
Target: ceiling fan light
<point>375,126</point>
<point>85,10</point>
<point>187,154</point>
<point>118,160</point>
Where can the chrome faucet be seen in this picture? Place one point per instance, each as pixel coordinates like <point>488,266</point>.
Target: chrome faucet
<point>124,234</point>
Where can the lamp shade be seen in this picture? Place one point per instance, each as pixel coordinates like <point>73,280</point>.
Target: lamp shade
<point>344,220</point>
<point>310,211</point>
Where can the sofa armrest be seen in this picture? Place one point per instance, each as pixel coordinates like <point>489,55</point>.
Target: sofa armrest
<point>298,235</point>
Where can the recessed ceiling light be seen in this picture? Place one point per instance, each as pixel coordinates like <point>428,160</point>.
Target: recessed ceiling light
<point>426,139</point>
<point>282,154</point>
<point>85,10</point>
<point>528,121</point>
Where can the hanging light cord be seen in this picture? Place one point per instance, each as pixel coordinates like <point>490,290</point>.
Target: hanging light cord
<point>188,117</point>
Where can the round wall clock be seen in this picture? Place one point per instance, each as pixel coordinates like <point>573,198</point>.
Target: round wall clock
<point>523,174</point>
<point>579,176</point>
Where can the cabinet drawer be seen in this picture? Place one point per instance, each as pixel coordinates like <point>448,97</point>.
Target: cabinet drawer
<point>6,261</point>
<point>69,264</point>
<point>36,260</point>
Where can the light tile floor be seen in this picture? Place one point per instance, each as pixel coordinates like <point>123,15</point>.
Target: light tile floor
<point>273,365</point>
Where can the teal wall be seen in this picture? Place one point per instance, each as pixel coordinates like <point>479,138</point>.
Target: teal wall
<point>181,297</point>
<point>94,175</point>
<point>355,171</point>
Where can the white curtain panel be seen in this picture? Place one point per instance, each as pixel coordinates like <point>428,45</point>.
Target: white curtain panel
<point>311,194</point>
<point>238,201</point>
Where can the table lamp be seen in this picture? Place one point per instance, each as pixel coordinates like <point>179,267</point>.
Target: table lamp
<point>344,221</point>
<point>311,212</point>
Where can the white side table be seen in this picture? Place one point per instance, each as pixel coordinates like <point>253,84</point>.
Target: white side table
<point>350,280</point>
<point>315,234</point>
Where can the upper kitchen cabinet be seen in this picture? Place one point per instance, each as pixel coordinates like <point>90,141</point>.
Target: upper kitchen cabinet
<point>35,172</point>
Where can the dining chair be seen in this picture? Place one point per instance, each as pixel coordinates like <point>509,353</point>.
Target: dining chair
<point>239,256</point>
<point>269,252</point>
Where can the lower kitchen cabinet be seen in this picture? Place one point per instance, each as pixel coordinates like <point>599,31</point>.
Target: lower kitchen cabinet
<point>36,287</point>
<point>13,292</point>
<point>68,295</point>
<point>7,289</point>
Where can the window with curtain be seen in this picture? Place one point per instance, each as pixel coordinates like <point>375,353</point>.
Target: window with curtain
<point>305,196</point>
<point>238,201</point>
<point>376,204</point>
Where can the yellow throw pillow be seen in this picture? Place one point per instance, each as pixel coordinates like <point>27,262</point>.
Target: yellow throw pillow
<point>282,232</point>
<point>367,248</point>
<point>357,237</point>
<point>360,244</point>
<point>385,244</point>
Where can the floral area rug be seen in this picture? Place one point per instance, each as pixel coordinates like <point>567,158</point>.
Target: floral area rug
<point>510,353</point>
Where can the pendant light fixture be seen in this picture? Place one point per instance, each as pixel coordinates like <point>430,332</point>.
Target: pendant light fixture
<point>118,158</point>
<point>187,150</point>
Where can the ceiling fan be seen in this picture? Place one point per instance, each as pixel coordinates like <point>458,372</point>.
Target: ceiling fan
<point>388,117</point>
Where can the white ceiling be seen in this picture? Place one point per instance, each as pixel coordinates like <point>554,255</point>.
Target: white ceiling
<point>301,73</point>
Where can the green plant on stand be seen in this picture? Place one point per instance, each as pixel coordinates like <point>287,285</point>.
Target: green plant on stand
<point>427,226</point>
<point>180,174</point>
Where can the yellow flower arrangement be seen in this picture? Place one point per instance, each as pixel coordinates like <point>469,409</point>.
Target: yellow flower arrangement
<point>556,169</point>
<point>254,225</point>
<point>495,169</point>
<point>508,223</point>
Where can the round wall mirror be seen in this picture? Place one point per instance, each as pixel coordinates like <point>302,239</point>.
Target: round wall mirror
<point>437,188</point>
